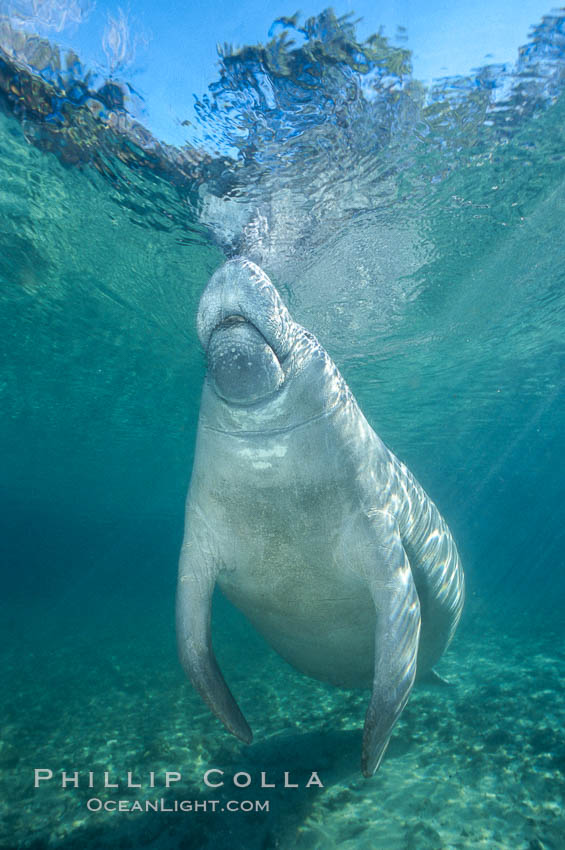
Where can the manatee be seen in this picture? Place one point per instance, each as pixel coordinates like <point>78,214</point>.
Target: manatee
<point>308,523</point>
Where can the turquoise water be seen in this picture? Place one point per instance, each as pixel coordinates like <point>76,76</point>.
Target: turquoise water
<point>419,235</point>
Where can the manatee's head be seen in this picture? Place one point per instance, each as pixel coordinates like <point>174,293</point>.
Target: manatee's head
<point>246,332</point>
<point>264,369</point>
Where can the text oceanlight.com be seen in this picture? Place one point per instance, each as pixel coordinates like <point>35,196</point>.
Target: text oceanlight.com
<point>97,805</point>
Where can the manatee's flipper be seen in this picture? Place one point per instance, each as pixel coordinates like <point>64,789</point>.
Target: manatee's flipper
<point>433,678</point>
<point>197,576</point>
<point>396,643</point>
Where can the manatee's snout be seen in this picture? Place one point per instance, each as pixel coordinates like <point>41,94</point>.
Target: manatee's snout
<point>243,366</point>
<point>246,332</point>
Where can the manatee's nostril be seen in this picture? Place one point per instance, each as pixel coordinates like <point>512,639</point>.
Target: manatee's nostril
<point>231,320</point>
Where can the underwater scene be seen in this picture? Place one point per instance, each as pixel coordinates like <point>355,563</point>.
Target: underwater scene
<point>340,252</point>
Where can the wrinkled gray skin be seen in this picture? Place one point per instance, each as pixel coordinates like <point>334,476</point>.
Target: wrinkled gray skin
<point>308,523</point>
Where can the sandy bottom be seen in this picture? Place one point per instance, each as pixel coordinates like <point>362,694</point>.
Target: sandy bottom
<point>476,764</point>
